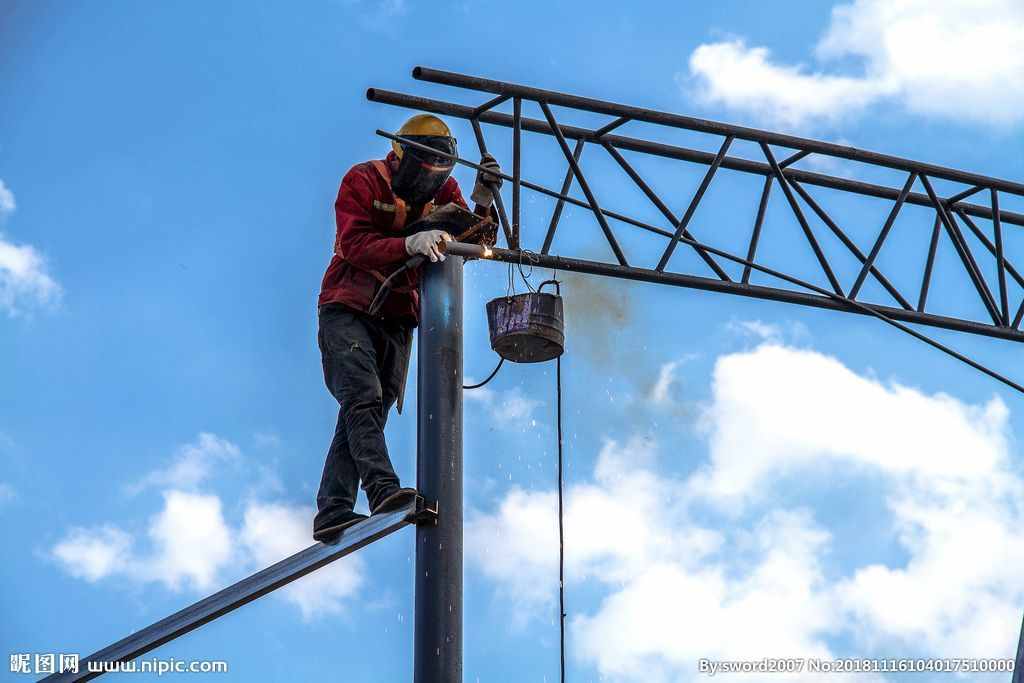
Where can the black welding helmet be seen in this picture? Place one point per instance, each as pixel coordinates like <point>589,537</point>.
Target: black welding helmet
<point>421,173</point>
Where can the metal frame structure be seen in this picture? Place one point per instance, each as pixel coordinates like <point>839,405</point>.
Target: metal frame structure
<point>438,608</point>
<point>954,216</point>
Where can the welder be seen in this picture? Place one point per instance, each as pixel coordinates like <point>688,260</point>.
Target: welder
<point>366,356</point>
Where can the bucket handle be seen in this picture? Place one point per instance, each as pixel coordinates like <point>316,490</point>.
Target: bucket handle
<point>558,287</point>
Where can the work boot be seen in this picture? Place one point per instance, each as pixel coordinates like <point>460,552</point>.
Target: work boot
<point>332,532</point>
<point>395,499</point>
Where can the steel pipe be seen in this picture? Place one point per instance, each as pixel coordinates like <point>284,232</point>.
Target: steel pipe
<point>715,285</point>
<point>437,651</point>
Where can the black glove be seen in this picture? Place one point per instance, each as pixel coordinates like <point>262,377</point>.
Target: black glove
<point>487,183</point>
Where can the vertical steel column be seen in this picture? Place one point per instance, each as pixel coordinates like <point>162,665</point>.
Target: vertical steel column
<point>438,637</point>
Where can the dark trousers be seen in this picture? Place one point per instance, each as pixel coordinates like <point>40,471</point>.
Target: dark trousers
<point>364,362</point>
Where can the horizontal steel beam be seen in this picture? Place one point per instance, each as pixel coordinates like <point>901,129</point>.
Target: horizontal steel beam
<point>706,126</point>
<point>739,288</point>
<point>675,152</point>
<point>246,590</point>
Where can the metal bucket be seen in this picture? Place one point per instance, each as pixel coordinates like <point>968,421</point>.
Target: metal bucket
<point>528,328</point>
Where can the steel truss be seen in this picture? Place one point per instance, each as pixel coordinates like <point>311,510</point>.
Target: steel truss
<point>953,215</point>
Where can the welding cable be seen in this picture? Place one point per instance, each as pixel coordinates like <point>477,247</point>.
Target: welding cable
<point>489,377</point>
<point>533,259</point>
<point>561,529</point>
<point>385,286</point>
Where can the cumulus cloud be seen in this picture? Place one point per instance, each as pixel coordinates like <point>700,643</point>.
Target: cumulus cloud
<point>746,78</point>
<point>714,565</point>
<point>672,594</point>
<point>192,542</point>
<point>93,554</point>
<point>24,280</point>
<point>191,464</point>
<point>190,545</point>
<point>956,59</point>
<point>778,409</point>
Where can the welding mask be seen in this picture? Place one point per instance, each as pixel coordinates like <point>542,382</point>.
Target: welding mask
<point>421,173</point>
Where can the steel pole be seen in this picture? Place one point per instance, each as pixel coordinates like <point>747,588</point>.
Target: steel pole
<point>438,636</point>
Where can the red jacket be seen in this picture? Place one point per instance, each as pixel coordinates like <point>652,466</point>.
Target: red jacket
<point>370,245</point>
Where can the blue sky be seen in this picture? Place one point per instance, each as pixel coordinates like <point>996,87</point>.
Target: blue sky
<point>168,172</point>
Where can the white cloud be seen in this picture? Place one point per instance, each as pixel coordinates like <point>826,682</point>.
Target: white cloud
<point>954,499</point>
<point>727,564</point>
<point>23,274</point>
<point>756,328</point>
<point>7,493</point>
<point>93,554</point>
<point>7,203</point>
<point>659,394</point>
<point>192,542</point>
<point>191,465</point>
<point>507,408</point>
<point>667,616</point>
<point>747,79</point>
<point>274,531</point>
<point>189,545</point>
<point>630,533</point>
<point>24,278</point>
<point>959,59</point>
<point>777,410</point>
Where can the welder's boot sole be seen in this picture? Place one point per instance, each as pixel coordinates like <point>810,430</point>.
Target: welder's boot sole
<point>330,534</point>
<point>396,500</point>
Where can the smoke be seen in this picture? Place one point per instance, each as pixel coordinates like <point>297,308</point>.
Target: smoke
<point>601,324</point>
<point>597,315</point>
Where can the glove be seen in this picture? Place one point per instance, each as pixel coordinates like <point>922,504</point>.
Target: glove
<point>425,243</point>
<point>486,183</point>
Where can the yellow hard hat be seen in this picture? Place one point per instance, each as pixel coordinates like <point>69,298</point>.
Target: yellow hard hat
<point>421,124</point>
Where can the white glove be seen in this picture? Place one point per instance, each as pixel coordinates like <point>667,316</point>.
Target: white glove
<point>426,242</point>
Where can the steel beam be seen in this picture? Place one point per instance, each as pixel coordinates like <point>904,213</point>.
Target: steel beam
<point>246,590</point>
<point>714,127</point>
<point>438,638</point>
<point>675,152</point>
<point>715,285</point>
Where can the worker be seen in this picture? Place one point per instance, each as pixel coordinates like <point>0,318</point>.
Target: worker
<point>366,357</point>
